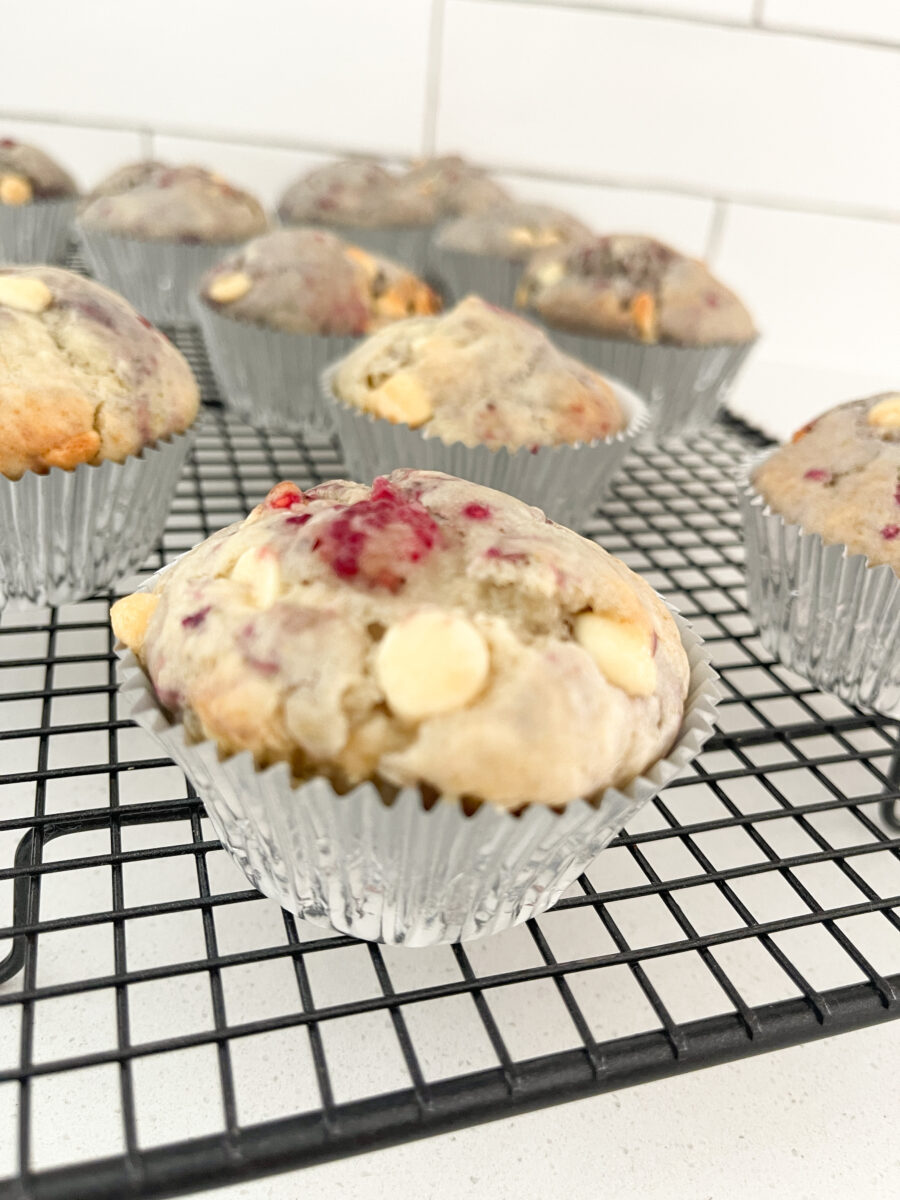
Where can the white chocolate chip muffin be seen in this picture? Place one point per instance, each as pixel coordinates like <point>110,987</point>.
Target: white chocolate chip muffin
<point>38,199</point>
<point>423,632</point>
<point>840,478</point>
<point>481,376</point>
<point>83,377</point>
<point>310,281</point>
<point>27,174</point>
<point>457,187</point>
<point>355,192</point>
<point>513,231</point>
<point>154,201</point>
<point>628,286</point>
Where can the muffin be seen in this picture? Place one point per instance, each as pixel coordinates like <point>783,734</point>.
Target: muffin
<point>37,203</point>
<point>457,187</point>
<point>822,519</point>
<point>484,252</point>
<point>366,683</point>
<point>94,407</point>
<point>151,230</point>
<point>366,204</point>
<point>277,311</point>
<point>480,393</point>
<point>637,308</point>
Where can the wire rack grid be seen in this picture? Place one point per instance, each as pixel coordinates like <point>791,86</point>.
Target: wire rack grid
<point>164,1028</point>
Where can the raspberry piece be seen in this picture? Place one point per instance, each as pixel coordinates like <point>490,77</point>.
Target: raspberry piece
<point>195,619</point>
<point>889,532</point>
<point>300,520</point>
<point>818,474</point>
<point>373,540</point>
<point>284,495</point>
<point>477,512</point>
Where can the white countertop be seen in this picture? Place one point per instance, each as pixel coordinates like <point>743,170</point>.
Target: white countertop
<point>810,1123</point>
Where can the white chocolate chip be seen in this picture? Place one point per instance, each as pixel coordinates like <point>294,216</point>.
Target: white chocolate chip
<point>549,273</point>
<point>14,189</point>
<point>886,413</point>
<point>130,617</point>
<point>402,399</point>
<point>27,295</point>
<point>225,289</point>
<point>431,662</point>
<point>622,650</point>
<point>258,570</point>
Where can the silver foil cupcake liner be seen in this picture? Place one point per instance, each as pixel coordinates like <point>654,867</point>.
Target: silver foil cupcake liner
<point>460,273</point>
<point>270,378</point>
<point>825,613</point>
<point>567,482</point>
<point>68,534</point>
<point>36,232</point>
<point>404,872</point>
<point>685,386</point>
<point>158,277</point>
<point>406,244</point>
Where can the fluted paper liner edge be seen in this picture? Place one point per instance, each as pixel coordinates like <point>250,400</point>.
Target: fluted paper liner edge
<point>400,872</point>
<point>566,481</point>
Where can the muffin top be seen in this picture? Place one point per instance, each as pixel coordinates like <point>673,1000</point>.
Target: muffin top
<point>83,377</point>
<point>478,375</point>
<point>840,478</point>
<point>27,173</point>
<point>633,287</point>
<point>457,187</point>
<point>355,192</point>
<point>185,204</point>
<point>309,281</point>
<point>513,231</point>
<point>424,631</point>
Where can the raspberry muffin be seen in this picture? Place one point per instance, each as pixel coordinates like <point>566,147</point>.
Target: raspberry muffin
<point>376,665</point>
<point>822,518</point>
<point>37,203</point>
<point>94,407</point>
<point>151,230</point>
<point>276,312</point>
<point>458,188</point>
<point>485,252</point>
<point>484,394</point>
<point>656,318</point>
<point>366,204</point>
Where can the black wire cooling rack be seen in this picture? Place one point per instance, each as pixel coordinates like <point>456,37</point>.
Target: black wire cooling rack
<point>164,1028</point>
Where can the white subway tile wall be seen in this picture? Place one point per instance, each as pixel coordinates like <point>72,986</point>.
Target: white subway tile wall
<point>762,133</point>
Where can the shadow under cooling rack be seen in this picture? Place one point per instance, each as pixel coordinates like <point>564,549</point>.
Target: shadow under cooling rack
<point>164,1028</point>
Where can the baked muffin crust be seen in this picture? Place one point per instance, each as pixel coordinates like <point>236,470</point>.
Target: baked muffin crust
<point>423,631</point>
<point>28,174</point>
<point>355,192</point>
<point>633,287</point>
<point>478,375</point>
<point>457,187</point>
<point>512,231</point>
<point>83,377</point>
<point>840,478</point>
<point>151,200</point>
<point>310,281</point>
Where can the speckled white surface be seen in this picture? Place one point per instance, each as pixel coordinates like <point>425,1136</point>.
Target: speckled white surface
<point>810,1123</point>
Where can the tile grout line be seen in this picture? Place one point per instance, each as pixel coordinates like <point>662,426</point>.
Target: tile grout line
<point>755,24</point>
<point>433,76</point>
<point>633,183</point>
<point>716,229</point>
